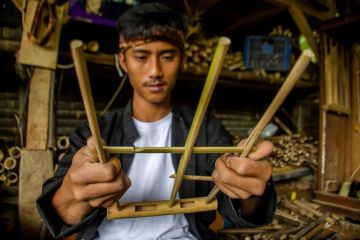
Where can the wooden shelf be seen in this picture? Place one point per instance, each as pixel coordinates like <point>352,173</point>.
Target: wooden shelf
<point>290,172</point>
<point>344,28</point>
<point>227,78</point>
<point>345,205</point>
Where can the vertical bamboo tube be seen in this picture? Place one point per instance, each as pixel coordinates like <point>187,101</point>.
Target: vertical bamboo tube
<point>327,63</point>
<point>85,88</point>
<point>214,72</point>
<point>283,92</point>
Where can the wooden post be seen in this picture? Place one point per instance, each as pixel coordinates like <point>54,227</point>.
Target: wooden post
<point>36,164</point>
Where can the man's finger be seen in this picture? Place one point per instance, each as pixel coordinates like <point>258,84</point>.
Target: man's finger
<point>231,191</point>
<point>263,149</point>
<point>94,172</point>
<point>232,180</point>
<point>248,168</point>
<point>117,164</point>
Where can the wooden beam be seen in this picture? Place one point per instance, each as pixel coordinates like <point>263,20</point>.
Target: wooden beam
<point>251,19</point>
<point>304,27</point>
<point>307,8</point>
<point>33,54</point>
<point>38,110</point>
<point>206,4</point>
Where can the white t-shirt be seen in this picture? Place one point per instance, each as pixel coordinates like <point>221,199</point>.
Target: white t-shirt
<point>149,174</point>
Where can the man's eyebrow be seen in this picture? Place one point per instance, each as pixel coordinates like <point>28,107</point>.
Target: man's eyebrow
<point>145,51</point>
<point>139,50</point>
<point>168,51</point>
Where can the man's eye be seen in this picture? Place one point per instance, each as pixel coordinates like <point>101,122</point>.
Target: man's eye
<point>168,57</point>
<point>140,58</point>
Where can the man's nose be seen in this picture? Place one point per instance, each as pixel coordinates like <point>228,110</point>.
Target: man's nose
<point>155,69</point>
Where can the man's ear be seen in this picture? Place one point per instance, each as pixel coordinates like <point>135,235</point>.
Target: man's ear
<point>122,61</point>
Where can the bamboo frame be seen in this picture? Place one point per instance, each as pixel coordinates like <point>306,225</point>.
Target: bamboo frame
<point>163,207</point>
<point>175,206</point>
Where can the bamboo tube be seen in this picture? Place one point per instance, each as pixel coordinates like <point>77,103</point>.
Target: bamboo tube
<point>10,163</point>
<point>63,143</point>
<point>285,89</point>
<point>335,72</point>
<point>328,74</point>
<point>15,152</point>
<point>193,177</point>
<point>83,79</point>
<point>204,150</point>
<point>12,178</point>
<point>214,72</point>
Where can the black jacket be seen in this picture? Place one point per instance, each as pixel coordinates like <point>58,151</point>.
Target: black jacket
<point>118,129</point>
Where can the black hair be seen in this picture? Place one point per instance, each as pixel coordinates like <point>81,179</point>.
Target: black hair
<point>140,23</point>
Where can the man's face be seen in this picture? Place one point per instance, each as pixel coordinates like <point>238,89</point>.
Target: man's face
<point>152,69</point>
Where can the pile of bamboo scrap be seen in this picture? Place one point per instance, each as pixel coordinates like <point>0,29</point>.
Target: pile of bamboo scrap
<point>9,165</point>
<point>199,54</point>
<point>298,219</point>
<point>294,150</point>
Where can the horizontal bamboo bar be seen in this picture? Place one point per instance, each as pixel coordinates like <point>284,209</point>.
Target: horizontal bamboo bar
<point>158,208</point>
<point>131,149</point>
<point>194,177</point>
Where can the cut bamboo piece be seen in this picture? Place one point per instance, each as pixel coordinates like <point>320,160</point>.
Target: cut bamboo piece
<point>204,150</point>
<point>15,152</point>
<point>214,72</point>
<point>83,79</point>
<point>156,208</point>
<point>345,187</point>
<point>10,163</point>
<point>285,89</point>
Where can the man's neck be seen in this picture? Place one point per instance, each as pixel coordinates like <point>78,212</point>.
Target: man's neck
<point>150,112</point>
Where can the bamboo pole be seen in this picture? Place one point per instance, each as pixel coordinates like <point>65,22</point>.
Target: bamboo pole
<point>283,92</point>
<point>214,72</point>
<point>85,88</point>
<point>204,150</point>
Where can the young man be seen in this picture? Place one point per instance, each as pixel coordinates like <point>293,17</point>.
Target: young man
<point>74,200</point>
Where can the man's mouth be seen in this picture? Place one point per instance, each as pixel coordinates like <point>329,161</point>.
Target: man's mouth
<point>155,86</point>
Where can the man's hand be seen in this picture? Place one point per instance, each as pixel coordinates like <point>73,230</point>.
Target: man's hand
<point>88,184</point>
<point>244,177</point>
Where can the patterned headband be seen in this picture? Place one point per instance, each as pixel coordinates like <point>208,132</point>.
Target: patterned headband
<point>174,36</point>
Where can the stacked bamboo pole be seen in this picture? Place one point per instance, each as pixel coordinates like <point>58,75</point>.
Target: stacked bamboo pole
<point>294,150</point>
<point>337,77</point>
<point>297,219</point>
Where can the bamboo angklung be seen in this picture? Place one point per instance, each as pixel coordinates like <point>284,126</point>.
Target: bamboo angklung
<point>140,209</point>
<point>283,92</point>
